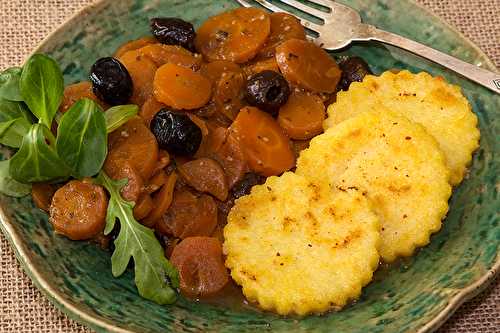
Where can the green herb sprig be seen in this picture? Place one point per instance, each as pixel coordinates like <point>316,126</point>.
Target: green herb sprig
<point>154,274</point>
<point>34,93</point>
<point>78,151</point>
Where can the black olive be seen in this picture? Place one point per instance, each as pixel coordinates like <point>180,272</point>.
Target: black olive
<point>176,133</point>
<point>174,31</point>
<point>111,81</point>
<point>244,186</point>
<point>354,69</point>
<point>268,91</point>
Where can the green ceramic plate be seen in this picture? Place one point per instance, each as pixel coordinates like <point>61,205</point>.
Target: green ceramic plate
<point>417,295</point>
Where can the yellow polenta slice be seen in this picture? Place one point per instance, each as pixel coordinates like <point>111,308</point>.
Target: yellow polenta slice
<point>396,164</point>
<point>297,247</point>
<point>430,101</point>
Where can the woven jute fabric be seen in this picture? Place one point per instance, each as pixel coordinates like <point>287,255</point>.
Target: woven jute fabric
<point>24,23</point>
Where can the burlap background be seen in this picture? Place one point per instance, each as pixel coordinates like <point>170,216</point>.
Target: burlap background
<point>23,23</point>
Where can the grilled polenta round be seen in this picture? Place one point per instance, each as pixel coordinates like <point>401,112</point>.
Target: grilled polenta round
<point>298,247</point>
<point>430,101</point>
<point>396,164</point>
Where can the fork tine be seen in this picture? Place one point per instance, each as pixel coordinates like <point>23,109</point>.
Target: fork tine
<point>308,24</point>
<point>306,9</point>
<point>324,3</point>
<point>244,3</point>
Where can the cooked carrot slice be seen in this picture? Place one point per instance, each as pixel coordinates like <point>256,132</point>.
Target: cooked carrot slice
<point>201,267</point>
<point>134,45</point>
<point>214,70</point>
<point>228,82</point>
<point>143,206</point>
<point>119,169</point>
<point>302,116</point>
<point>135,143</point>
<point>229,94</point>
<point>308,65</point>
<point>162,201</point>
<point>181,88</point>
<point>42,194</point>
<point>142,71</point>
<point>205,175</point>
<point>157,181</point>
<point>266,147</point>
<point>200,123</point>
<point>232,158</point>
<point>283,27</point>
<point>212,141</point>
<point>77,91</point>
<point>163,161</point>
<point>236,35</point>
<point>161,54</point>
<point>149,109</point>
<point>189,216</point>
<point>78,210</point>
<point>262,65</point>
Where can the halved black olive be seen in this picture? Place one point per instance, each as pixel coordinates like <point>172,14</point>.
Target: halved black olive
<point>174,31</point>
<point>354,69</point>
<point>267,90</point>
<point>111,82</point>
<point>244,186</point>
<point>176,132</point>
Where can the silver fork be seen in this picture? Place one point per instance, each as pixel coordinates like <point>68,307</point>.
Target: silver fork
<point>342,25</point>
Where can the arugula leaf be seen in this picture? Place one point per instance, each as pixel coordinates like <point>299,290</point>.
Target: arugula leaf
<point>119,115</point>
<point>42,87</point>
<point>9,186</point>
<point>36,161</point>
<point>154,274</point>
<point>82,141</point>
<point>9,84</point>
<point>14,122</point>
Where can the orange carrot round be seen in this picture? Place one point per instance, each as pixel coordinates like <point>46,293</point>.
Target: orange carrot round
<point>236,35</point>
<point>266,147</point>
<point>181,88</point>
<point>308,65</point>
<point>302,116</point>
<point>134,45</point>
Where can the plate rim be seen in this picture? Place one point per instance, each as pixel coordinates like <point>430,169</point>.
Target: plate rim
<point>97,322</point>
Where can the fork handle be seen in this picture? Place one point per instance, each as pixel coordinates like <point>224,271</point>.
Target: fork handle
<point>484,77</point>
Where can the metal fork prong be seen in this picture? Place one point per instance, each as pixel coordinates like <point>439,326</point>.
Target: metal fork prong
<point>324,3</point>
<point>306,9</point>
<point>308,24</point>
<point>244,3</point>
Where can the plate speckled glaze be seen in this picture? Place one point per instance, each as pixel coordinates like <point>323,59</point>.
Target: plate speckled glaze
<point>417,295</point>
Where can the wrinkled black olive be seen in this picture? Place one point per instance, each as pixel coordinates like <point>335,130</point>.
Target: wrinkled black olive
<point>176,133</point>
<point>244,186</point>
<point>173,31</point>
<point>354,69</point>
<point>268,91</point>
<point>111,81</point>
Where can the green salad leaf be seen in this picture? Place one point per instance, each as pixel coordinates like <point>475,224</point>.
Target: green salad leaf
<point>42,87</point>
<point>37,161</point>
<point>119,115</point>
<point>9,84</point>
<point>82,140</point>
<point>9,186</point>
<point>155,276</point>
<point>14,122</point>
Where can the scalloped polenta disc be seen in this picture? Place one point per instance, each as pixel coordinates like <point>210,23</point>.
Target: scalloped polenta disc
<point>297,247</point>
<point>430,101</point>
<point>399,167</point>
